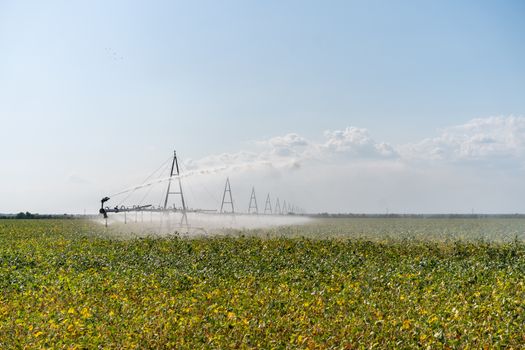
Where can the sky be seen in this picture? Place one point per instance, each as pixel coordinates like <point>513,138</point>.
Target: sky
<point>339,106</point>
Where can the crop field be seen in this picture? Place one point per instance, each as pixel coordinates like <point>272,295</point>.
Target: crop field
<point>338,283</point>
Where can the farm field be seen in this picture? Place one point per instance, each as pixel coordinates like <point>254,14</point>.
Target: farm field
<point>332,283</point>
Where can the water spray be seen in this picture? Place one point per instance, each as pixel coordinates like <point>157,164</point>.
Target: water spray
<point>175,179</point>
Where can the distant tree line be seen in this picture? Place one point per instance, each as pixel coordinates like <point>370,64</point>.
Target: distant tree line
<point>420,216</point>
<point>27,215</point>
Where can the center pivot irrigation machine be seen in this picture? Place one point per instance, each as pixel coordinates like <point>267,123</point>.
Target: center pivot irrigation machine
<point>174,174</point>
<point>174,188</point>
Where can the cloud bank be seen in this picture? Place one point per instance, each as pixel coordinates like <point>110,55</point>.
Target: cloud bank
<point>483,140</point>
<point>476,166</point>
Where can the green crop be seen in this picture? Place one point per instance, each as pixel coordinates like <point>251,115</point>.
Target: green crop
<point>67,284</point>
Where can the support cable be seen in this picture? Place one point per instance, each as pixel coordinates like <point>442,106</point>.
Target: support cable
<point>204,187</point>
<point>147,178</point>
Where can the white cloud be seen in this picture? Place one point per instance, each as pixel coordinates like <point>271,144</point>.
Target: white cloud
<point>348,170</point>
<point>288,146</point>
<point>288,140</point>
<point>482,139</point>
<point>345,170</point>
<point>355,142</point>
<point>292,150</point>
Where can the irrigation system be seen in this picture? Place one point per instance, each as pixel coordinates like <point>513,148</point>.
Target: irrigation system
<point>174,188</point>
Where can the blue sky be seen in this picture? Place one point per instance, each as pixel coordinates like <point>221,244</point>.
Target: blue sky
<point>101,91</point>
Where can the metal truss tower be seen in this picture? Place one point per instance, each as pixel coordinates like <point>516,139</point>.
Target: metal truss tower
<point>227,189</point>
<point>277,208</point>
<point>175,172</point>
<point>268,205</point>
<point>253,203</point>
